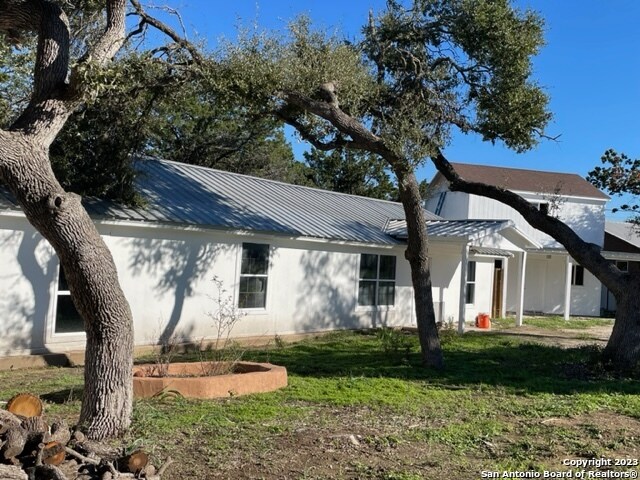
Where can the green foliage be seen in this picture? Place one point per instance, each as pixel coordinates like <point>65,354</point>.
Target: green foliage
<point>619,176</point>
<point>352,172</point>
<point>16,67</point>
<point>150,107</point>
<point>393,340</point>
<point>463,64</point>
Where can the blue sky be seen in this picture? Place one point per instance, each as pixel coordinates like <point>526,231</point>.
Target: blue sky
<point>590,67</point>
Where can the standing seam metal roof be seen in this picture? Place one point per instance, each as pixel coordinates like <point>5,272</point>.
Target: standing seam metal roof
<point>192,195</point>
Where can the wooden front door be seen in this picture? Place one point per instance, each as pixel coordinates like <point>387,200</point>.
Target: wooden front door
<point>496,299</point>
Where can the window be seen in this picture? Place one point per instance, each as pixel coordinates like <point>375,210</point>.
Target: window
<point>253,276</point>
<point>68,320</point>
<point>577,275</point>
<point>470,295</point>
<point>623,266</point>
<point>377,282</point>
<point>544,208</point>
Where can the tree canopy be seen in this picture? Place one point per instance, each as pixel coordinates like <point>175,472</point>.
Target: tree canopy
<point>619,175</point>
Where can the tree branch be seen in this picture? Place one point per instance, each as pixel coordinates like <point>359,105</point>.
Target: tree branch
<point>164,28</point>
<point>587,254</point>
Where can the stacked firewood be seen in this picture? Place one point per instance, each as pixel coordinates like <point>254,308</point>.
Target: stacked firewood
<point>32,449</point>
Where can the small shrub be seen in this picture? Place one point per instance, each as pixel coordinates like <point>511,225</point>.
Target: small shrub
<point>393,340</point>
<point>222,356</point>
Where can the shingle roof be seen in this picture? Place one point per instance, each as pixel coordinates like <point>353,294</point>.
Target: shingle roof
<point>628,232</point>
<point>191,195</point>
<point>528,180</point>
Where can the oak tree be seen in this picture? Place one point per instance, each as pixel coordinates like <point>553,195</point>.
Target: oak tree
<point>57,89</point>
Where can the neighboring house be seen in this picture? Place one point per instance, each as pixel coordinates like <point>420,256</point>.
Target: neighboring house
<point>293,259</point>
<point>622,246</point>
<point>554,283</point>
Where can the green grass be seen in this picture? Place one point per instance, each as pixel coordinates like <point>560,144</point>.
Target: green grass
<point>486,410</point>
<point>554,323</point>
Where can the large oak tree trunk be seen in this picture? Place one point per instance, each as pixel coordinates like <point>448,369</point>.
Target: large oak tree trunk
<point>417,254</point>
<point>92,278</point>
<point>623,347</point>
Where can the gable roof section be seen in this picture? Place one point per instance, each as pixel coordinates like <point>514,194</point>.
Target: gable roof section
<point>451,228</point>
<point>627,232</point>
<point>522,180</point>
<point>191,195</point>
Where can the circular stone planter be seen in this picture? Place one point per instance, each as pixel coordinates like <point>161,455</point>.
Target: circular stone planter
<point>187,379</point>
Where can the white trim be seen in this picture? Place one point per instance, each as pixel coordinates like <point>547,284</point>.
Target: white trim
<point>522,270</point>
<point>462,302</point>
<point>567,288</point>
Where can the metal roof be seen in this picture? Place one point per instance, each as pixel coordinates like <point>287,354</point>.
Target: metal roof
<point>184,194</point>
<point>625,231</point>
<point>490,252</point>
<point>451,228</point>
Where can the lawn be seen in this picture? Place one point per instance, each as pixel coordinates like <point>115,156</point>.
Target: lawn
<point>357,409</point>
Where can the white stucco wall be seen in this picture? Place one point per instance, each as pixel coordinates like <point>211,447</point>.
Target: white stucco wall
<point>25,278</point>
<point>445,277</point>
<point>166,275</point>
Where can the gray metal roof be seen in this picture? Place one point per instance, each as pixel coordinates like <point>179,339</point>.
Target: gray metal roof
<point>451,228</point>
<point>628,232</point>
<point>191,195</point>
<point>491,252</point>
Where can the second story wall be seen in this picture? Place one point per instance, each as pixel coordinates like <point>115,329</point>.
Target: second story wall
<point>584,216</point>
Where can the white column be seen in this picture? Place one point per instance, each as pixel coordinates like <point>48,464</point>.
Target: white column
<point>505,284</point>
<point>522,272</point>
<point>462,307</point>
<point>567,289</point>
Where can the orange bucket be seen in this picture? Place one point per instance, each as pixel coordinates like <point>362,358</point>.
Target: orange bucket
<point>483,320</point>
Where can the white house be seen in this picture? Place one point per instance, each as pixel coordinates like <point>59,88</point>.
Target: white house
<point>294,259</point>
<point>553,282</point>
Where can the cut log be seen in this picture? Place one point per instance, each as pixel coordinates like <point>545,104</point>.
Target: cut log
<point>10,472</point>
<point>59,433</point>
<point>135,462</point>
<point>47,472</point>
<point>25,405</point>
<point>8,420</point>
<point>35,425</point>
<point>53,453</point>
<point>15,439</point>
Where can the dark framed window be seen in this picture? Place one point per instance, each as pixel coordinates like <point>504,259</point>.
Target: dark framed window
<point>68,320</point>
<point>544,208</point>
<point>623,266</point>
<point>470,290</point>
<point>577,275</point>
<point>254,272</point>
<point>377,280</point>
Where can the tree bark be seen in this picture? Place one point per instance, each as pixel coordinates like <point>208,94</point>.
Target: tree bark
<point>623,347</point>
<point>93,283</point>
<point>59,216</point>
<point>417,254</point>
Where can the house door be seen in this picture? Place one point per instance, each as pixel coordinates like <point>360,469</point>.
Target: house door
<point>496,299</point>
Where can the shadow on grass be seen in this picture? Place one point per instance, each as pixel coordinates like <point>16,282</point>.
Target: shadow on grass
<point>471,360</point>
<point>66,395</point>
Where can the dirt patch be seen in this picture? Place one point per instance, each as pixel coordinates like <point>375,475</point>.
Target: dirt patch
<point>566,338</point>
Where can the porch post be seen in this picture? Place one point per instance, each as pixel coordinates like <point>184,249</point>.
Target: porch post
<point>522,271</point>
<point>567,288</point>
<point>505,284</point>
<point>462,307</point>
